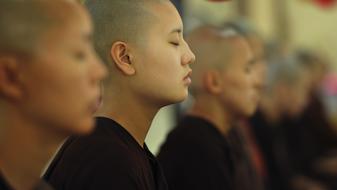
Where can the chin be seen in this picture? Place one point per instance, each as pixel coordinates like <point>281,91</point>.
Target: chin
<point>173,100</point>
<point>86,127</point>
<point>179,97</point>
<point>249,113</point>
<point>182,98</point>
<point>253,111</point>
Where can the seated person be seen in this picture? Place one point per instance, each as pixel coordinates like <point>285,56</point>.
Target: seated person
<point>49,84</point>
<point>197,153</point>
<point>142,43</point>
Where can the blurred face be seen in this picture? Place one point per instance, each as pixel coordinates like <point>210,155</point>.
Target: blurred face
<point>240,95</point>
<point>61,82</point>
<point>259,66</point>
<point>295,97</point>
<point>162,65</point>
<point>317,75</point>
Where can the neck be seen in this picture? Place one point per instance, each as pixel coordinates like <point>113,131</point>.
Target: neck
<point>132,113</point>
<point>24,151</point>
<point>211,110</point>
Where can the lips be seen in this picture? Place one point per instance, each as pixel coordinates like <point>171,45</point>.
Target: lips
<point>96,104</point>
<point>187,78</point>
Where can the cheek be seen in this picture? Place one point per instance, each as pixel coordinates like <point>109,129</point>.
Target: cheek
<point>240,85</point>
<point>168,59</point>
<point>61,100</point>
<point>58,87</point>
<point>234,91</point>
<point>245,95</point>
<point>162,65</point>
<point>260,73</point>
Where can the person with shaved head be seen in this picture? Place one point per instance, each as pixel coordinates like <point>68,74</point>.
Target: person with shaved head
<point>49,84</point>
<point>142,43</point>
<point>197,154</point>
<point>250,168</point>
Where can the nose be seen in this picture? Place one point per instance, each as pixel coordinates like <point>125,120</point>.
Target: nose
<point>98,70</point>
<point>260,75</point>
<point>188,56</point>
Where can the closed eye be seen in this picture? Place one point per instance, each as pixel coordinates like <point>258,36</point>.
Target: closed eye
<point>80,55</point>
<point>175,43</point>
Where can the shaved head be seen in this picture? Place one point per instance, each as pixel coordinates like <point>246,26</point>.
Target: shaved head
<point>120,20</point>
<point>213,49</point>
<point>284,70</point>
<point>23,22</point>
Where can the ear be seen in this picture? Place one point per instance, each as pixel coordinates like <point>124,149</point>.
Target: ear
<point>122,58</point>
<point>212,82</point>
<point>10,87</point>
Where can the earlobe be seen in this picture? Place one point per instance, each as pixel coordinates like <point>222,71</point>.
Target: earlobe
<point>9,79</point>
<point>122,58</point>
<point>212,82</point>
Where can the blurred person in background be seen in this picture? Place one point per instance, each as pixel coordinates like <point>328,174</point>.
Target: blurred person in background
<point>311,140</point>
<point>49,85</point>
<point>197,154</point>
<point>250,170</point>
<point>285,97</point>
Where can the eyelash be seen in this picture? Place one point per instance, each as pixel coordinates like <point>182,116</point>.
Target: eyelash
<point>80,55</point>
<point>248,69</point>
<point>175,43</point>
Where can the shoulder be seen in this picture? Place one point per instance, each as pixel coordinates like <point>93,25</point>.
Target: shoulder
<point>187,143</point>
<point>91,163</point>
<point>99,149</point>
<point>96,151</point>
<point>194,136</point>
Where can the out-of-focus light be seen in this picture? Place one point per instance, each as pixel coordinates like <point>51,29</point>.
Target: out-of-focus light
<point>326,3</point>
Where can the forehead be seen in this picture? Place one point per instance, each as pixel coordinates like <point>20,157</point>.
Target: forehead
<point>240,48</point>
<point>257,45</point>
<point>166,16</point>
<point>76,24</point>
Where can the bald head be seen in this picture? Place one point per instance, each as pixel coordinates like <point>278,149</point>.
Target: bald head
<point>120,20</point>
<point>23,22</point>
<point>213,50</point>
<point>283,70</point>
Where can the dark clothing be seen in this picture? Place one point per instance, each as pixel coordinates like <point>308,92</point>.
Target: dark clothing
<point>245,175</point>
<point>255,155</point>
<point>310,138</point>
<point>197,156</point>
<point>109,158</point>
<point>290,149</point>
<point>271,140</point>
<point>41,186</point>
<point>4,184</point>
